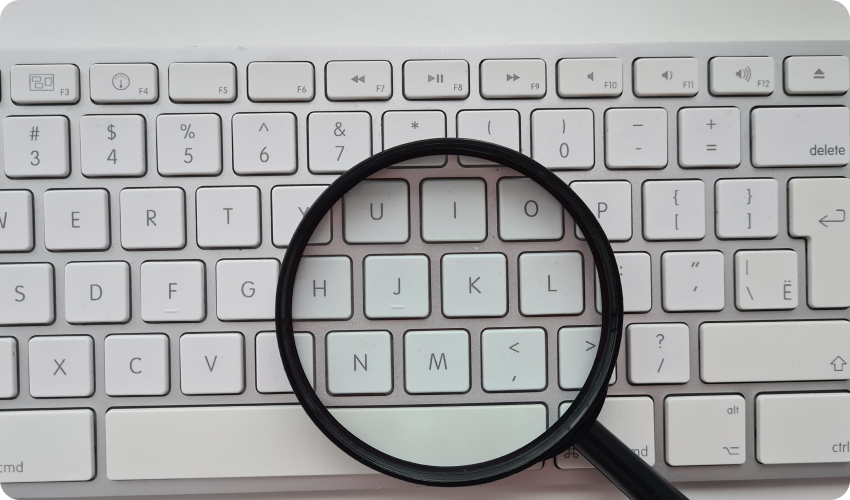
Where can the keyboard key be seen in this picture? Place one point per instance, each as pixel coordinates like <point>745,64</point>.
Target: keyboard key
<point>454,210</point>
<point>264,143</point>
<point>636,138</point>
<point>659,353</point>
<point>45,84</point>
<point>47,446</point>
<point>436,361</point>
<point>817,75</point>
<point>173,291</point>
<point>709,137</point>
<point>136,365</point>
<point>742,75</point>
<point>551,283</point>
<point>322,289</point>
<point>673,210</point>
<point>563,139</point>
<point>113,146</point>
<point>228,217</point>
<point>97,292</point>
<point>474,285</point>
<point>212,363</point>
<point>693,281</point>
<point>36,146</point>
<point>8,368</point>
<point>202,82</point>
<point>513,78</point>
<point>801,137</point>
<point>666,77</point>
<point>338,141</point>
<point>359,80</point>
<point>26,294</point>
<point>281,81</point>
<point>16,221</point>
<point>590,77</point>
<point>766,280</point>
<point>436,79</point>
<point>576,355</point>
<point>245,289</point>
<point>747,208</point>
<point>401,127</point>
<point>780,439</point>
<point>636,279</point>
<point>528,212</point>
<point>774,351</point>
<point>377,212</point>
<point>396,286</point>
<point>188,144</point>
<point>350,369</point>
<point>76,219</point>
<point>817,211</point>
<point>124,83</point>
<point>513,359</point>
<point>61,367</point>
<point>153,218</point>
<point>289,204</point>
<point>705,430</point>
<point>271,378</point>
<point>499,127</point>
<point>611,202</point>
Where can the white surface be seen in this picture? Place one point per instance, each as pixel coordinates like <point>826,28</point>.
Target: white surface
<point>264,143</point>
<point>705,430</point>
<point>281,81</point>
<point>665,77</point>
<point>747,208</point>
<point>188,144</point>
<point>338,141</point>
<point>396,286</point>
<point>766,279</point>
<point>513,359</point>
<point>124,83</point>
<point>112,146</point>
<point>551,283</point>
<point>76,219</point>
<point>61,367</point>
<point>36,146</point>
<point>245,289</point>
<point>709,137</point>
<point>153,218</point>
<point>136,365</point>
<point>636,280</point>
<point>825,437</point>
<point>774,351</point>
<point>454,210</point>
<point>359,362</point>
<point>590,77</point>
<point>377,212</point>
<point>673,210</point>
<point>474,285</point>
<point>16,222</point>
<point>45,83</point>
<point>270,375</point>
<point>202,82</point>
<point>742,76</point>
<point>563,139</point>
<point>173,291</point>
<point>436,79</point>
<point>228,217</point>
<point>436,361</point>
<point>401,127</point>
<point>576,353</point>
<point>48,445</point>
<point>289,204</point>
<point>9,364</point>
<point>611,203</point>
<point>528,212</point>
<point>693,281</point>
<point>817,75</point>
<point>358,80</point>
<point>212,363</point>
<point>322,288</point>
<point>513,78</point>
<point>812,205</point>
<point>659,353</point>
<point>97,292</point>
<point>636,138</point>
<point>497,126</point>
<point>27,295</point>
<point>793,137</point>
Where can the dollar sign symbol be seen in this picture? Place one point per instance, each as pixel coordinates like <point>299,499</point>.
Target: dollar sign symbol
<point>112,133</point>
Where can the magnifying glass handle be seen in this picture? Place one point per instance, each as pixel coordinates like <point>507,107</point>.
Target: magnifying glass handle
<point>634,477</point>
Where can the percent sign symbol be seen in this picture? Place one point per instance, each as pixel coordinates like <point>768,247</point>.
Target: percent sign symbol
<point>187,131</point>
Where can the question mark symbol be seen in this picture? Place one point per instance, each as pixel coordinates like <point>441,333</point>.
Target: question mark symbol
<point>660,339</point>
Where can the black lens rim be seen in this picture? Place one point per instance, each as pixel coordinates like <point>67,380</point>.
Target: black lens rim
<point>562,434</point>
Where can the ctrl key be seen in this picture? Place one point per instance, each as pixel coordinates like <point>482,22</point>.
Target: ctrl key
<point>46,446</point>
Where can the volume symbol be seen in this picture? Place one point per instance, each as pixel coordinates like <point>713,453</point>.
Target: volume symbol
<point>112,134</point>
<point>744,74</point>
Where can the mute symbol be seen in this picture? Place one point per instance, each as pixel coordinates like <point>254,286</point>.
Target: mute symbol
<point>590,77</point>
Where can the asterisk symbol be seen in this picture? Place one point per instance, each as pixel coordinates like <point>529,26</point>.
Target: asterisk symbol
<point>415,125</point>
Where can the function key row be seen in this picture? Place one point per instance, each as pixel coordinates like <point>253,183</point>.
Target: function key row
<point>428,79</point>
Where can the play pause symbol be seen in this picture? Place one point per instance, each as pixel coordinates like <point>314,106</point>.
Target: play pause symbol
<point>438,78</point>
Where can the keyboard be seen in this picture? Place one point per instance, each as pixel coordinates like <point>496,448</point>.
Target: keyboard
<point>158,156</point>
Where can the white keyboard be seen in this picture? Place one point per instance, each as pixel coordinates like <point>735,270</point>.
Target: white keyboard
<point>157,157</point>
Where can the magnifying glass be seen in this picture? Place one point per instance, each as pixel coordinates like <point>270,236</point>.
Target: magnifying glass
<point>451,313</point>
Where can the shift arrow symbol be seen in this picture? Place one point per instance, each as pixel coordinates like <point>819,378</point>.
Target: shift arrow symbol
<point>512,347</point>
<point>838,364</point>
